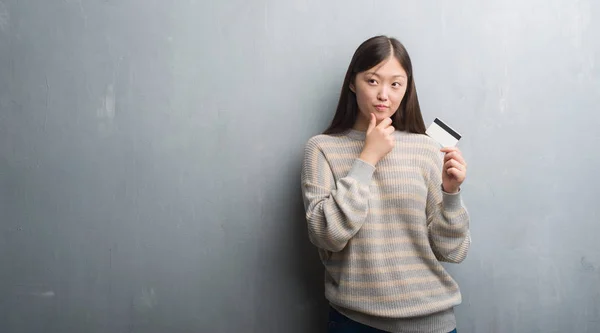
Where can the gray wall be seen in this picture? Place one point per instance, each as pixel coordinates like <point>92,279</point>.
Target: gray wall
<point>150,155</point>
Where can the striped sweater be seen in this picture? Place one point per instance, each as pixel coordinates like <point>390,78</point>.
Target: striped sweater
<point>383,231</point>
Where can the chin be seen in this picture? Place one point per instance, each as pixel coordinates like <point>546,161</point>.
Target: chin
<point>382,115</point>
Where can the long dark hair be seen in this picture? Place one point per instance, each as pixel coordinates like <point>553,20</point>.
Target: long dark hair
<point>370,53</point>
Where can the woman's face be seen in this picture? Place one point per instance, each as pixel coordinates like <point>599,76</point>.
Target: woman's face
<point>379,90</point>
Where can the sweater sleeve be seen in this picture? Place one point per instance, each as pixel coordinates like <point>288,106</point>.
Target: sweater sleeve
<point>447,218</point>
<point>335,210</point>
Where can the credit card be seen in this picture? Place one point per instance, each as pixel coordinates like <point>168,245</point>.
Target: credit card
<point>442,133</point>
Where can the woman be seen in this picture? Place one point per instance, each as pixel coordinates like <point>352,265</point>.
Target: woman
<point>383,203</point>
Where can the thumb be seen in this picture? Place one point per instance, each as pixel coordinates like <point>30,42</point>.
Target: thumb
<point>372,123</point>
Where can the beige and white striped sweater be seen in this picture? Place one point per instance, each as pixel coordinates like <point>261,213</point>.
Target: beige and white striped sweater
<point>382,231</point>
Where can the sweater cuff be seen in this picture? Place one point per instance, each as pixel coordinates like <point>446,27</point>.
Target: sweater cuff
<point>362,171</point>
<point>452,201</point>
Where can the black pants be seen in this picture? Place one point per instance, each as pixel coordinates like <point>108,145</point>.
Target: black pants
<point>338,323</point>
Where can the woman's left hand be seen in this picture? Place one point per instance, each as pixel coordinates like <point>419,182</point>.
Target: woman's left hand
<point>454,170</point>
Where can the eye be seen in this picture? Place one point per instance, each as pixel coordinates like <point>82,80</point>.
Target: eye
<point>396,84</point>
<point>372,81</point>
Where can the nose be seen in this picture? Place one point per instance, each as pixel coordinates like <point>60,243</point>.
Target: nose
<point>383,94</point>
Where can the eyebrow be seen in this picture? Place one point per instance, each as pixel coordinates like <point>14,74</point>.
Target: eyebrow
<point>375,74</point>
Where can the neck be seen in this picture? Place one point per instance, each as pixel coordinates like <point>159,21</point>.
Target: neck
<point>361,124</point>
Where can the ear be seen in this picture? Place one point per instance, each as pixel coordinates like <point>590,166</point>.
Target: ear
<point>352,88</point>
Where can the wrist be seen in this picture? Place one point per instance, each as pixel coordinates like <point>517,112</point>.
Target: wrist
<point>450,189</point>
<point>369,158</point>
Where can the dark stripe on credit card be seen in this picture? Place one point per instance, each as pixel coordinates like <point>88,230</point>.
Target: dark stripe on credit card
<point>447,129</point>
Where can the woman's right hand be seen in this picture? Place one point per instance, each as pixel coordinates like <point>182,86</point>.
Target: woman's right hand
<point>379,140</point>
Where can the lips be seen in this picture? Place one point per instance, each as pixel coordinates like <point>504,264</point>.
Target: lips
<point>381,107</point>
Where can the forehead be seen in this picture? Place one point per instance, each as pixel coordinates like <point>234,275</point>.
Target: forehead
<point>389,67</point>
